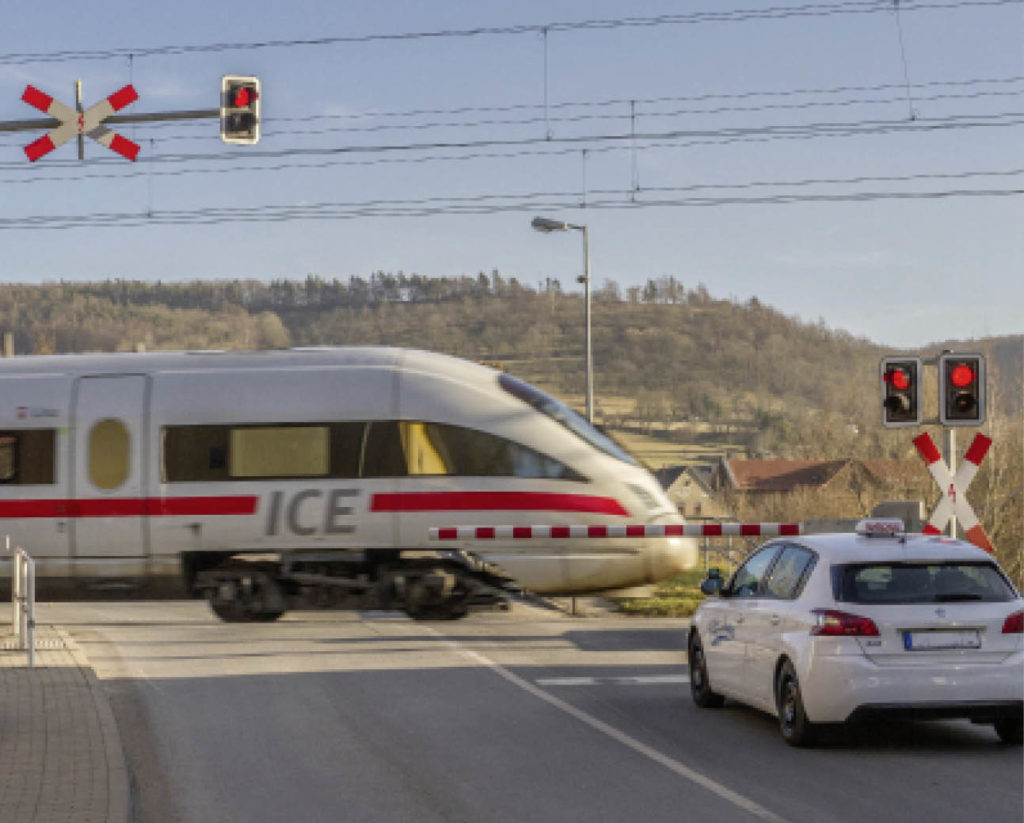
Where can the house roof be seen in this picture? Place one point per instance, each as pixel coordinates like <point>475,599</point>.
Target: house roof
<point>667,475</point>
<point>787,475</point>
<point>782,475</point>
<point>897,471</point>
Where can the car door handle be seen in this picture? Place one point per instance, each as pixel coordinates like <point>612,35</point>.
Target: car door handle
<point>775,620</point>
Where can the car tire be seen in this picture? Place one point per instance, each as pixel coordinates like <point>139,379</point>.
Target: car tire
<point>1010,730</point>
<point>700,685</point>
<point>796,729</point>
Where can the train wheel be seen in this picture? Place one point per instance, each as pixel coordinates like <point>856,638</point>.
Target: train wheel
<point>441,611</point>
<point>255,597</point>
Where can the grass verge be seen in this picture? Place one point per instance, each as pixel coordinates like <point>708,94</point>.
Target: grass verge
<point>678,596</point>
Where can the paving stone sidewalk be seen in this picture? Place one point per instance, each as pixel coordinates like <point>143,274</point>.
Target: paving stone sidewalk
<point>60,753</point>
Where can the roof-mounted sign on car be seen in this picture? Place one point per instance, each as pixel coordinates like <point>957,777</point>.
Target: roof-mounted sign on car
<point>880,527</point>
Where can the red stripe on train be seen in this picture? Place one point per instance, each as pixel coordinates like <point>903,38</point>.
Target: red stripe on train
<point>494,501</point>
<point>130,507</point>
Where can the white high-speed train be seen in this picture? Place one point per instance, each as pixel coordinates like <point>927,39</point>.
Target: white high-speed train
<point>286,479</point>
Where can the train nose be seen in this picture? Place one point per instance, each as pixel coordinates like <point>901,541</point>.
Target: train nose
<point>667,556</point>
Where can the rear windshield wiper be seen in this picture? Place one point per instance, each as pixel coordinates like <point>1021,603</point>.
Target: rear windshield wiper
<point>950,598</point>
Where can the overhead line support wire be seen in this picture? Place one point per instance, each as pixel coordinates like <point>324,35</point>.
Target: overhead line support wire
<point>691,18</point>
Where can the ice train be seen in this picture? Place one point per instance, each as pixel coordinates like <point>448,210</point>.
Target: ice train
<point>311,477</point>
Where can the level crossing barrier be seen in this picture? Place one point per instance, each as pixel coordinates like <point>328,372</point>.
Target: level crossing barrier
<point>705,530</point>
<point>598,532</point>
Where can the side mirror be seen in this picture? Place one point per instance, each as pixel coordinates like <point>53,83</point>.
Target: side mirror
<point>713,583</point>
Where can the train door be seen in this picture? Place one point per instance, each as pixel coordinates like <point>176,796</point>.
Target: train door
<point>108,475</point>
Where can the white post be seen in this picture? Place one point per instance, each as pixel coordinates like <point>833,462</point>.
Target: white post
<point>30,566</point>
<point>23,597</point>
<point>16,596</point>
<point>951,462</point>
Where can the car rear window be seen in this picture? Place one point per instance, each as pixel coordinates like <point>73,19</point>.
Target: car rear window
<point>920,583</point>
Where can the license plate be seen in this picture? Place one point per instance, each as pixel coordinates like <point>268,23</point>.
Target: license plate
<point>944,639</point>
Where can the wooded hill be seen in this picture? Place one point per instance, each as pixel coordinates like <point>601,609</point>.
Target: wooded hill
<point>664,355</point>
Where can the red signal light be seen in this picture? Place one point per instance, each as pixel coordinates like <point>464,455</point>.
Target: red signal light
<point>962,375</point>
<point>899,379</point>
<point>240,104</point>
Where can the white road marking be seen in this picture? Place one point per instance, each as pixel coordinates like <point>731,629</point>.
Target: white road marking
<point>638,680</point>
<point>669,763</point>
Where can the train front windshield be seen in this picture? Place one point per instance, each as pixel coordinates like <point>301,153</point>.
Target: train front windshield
<point>563,415</point>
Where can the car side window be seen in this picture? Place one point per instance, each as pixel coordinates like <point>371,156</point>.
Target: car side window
<point>790,572</point>
<point>750,577</point>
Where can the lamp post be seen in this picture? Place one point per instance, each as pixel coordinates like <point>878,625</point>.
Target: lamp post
<point>546,225</point>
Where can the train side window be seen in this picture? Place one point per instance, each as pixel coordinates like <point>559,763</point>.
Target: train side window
<point>382,448</point>
<point>346,448</point>
<point>382,452</point>
<point>200,454</point>
<point>8,458</point>
<point>109,454</point>
<point>28,457</point>
<point>37,457</point>
<point>195,453</point>
<point>430,449</point>
<point>440,448</point>
<point>278,451</point>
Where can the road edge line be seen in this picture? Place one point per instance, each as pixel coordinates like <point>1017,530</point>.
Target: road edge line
<point>671,764</point>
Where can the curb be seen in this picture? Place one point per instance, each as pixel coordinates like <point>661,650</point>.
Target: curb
<point>117,770</point>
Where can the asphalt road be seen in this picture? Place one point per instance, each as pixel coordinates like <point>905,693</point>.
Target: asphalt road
<point>523,716</point>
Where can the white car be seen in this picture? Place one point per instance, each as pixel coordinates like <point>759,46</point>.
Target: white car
<point>833,627</point>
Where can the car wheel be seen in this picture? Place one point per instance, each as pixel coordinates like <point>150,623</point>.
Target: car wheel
<point>796,729</point>
<point>1010,730</point>
<point>700,686</point>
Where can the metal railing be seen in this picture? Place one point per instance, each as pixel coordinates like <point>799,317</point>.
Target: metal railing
<point>23,600</point>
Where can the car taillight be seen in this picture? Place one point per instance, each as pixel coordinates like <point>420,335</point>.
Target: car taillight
<point>833,623</point>
<point>1014,624</point>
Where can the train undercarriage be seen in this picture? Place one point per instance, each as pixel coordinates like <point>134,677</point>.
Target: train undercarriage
<point>425,585</point>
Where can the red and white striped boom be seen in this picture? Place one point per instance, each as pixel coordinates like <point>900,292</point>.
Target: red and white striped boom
<point>557,532</point>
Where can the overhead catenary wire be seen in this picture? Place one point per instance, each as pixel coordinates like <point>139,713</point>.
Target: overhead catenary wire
<point>836,128</point>
<point>642,101</point>
<point>850,7</point>
<point>157,218</point>
<point>491,203</point>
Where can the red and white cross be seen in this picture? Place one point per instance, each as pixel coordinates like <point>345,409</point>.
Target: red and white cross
<point>88,122</point>
<point>953,487</point>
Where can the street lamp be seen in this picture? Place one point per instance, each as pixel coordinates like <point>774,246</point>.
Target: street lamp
<point>545,225</point>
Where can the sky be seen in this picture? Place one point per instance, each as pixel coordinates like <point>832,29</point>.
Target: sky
<point>857,163</point>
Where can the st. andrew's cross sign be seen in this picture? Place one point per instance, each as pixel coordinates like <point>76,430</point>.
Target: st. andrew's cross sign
<point>73,123</point>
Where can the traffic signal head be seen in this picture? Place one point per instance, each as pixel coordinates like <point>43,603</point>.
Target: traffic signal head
<point>961,389</point>
<point>240,109</point>
<point>901,391</point>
